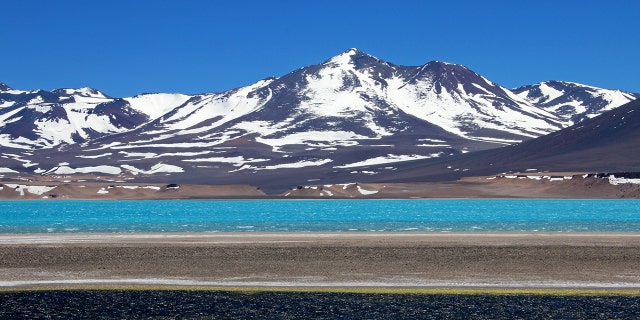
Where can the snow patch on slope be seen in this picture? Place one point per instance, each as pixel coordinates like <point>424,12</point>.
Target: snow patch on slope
<point>97,169</point>
<point>390,158</point>
<point>157,168</point>
<point>157,104</point>
<point>220,108</point>
<point>365,192</point>
<point>21,188</point>
<point>236,161</point>
<point>616,181</point>
<point>299,164</point>
<point>314,138</point>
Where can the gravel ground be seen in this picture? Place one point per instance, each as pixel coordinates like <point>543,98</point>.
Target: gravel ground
<point>321,259</point>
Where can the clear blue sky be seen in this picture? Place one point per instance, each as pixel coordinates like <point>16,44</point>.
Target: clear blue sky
<point>126,47</point>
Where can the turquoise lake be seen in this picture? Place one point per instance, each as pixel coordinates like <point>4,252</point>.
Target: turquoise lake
<point>319,216</point>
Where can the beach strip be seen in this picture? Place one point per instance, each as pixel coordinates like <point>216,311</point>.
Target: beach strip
<point>379,261</point>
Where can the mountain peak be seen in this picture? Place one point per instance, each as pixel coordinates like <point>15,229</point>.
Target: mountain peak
<point>352,51</point>
<point>4,87</point>
<point>84,92</point>
<point>454,72</point>
<point>349,56</point>
<point>445,65</point>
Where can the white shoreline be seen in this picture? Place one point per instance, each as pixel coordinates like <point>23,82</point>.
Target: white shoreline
<point>408,283</point>
<point>290,237</point>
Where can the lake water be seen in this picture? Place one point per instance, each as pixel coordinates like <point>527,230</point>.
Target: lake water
<point>319,215</point>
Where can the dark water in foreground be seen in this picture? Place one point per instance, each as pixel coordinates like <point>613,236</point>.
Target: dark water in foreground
<point>88,304</point>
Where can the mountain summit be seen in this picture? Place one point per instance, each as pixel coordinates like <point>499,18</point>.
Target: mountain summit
<point>354,57</point>
<point>327,121</point>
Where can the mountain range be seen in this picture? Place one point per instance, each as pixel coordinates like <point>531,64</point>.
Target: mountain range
<point>353,117</point>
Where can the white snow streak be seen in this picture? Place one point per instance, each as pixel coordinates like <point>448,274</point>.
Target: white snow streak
<point>156,105</point>
<point>314,138</point>
<point>39,190</point>
<point>616,181</point>
<point>390,158</point>
<point>299,164</point>
<point>157,168</point>
<point>97,169</point>
<point>366,192</point>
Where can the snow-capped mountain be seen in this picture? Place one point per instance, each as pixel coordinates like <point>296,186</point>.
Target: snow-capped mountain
<point>331,119</point>
<point>573,102</point>
<point>45,119</point>
<point>609,143</point>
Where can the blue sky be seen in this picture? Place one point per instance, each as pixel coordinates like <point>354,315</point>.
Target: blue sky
<point>128,47</point>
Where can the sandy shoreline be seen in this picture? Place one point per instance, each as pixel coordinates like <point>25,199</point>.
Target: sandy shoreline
<point>559,185</point>
<point>366,259</point>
